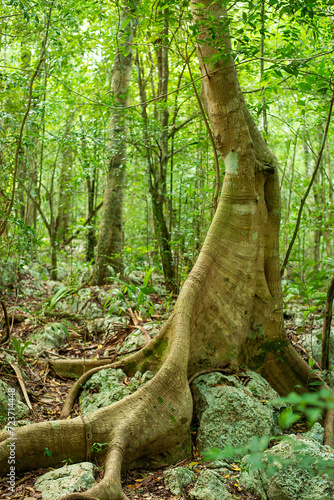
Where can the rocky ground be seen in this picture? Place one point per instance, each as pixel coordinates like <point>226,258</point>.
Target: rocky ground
<point>48,319</point>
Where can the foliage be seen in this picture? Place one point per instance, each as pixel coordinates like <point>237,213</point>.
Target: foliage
<point>20,347</point>
<point>310,404</point>
<point>63,292</point>
<point>137,296</point>
<point>308,285</point>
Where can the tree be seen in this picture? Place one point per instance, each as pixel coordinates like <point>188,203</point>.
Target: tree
<point>110,244</point>
<point>229,311</point>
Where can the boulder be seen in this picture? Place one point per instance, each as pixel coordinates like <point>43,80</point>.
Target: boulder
<point>136,339</point>
<point>210,486</point>
<point>51,336</point>
<point>105,388</point>
<point>228,413</point>
<point>178,478</point>
<point>317,433</point>
<point>81,303</point>
<point>312,344</point>
<point>100,327</point>
<point>21,410</point>
<point>301,464</point>
<point>68,479</point>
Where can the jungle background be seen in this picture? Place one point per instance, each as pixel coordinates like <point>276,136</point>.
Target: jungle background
<point>61,126</point>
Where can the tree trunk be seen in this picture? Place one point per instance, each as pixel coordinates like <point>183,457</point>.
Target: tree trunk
<point>110,244</point>
<point>30,214</point>
<point>228,314</point>
<point>53,254</point>
<point>64,205</point>
<point>91,237</point>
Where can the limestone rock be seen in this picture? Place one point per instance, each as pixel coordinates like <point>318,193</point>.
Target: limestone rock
<point>313,345</point>
<point>317,433</point>
<point>299,461</point>
<point>54,286</point>
<point>66,480</point>
<point>21,410</point>
<point>228,413</point>
<point>261,389</point>
<point>82,303</point>
<point>210,486</point>
<point>105,388</point>
<point>136,339</point>
<point>177,479</point>
<point>100,326</point>
<point>52,336</point>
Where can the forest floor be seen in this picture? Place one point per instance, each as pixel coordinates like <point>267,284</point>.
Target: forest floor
<point>47,392</point>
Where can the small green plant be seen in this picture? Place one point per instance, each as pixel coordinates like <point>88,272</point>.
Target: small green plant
<point>61,294</point>
<point>168,302</point>
<point>310,404</point>
<point>47,452</point>
<point>135,296</point>
<point>97,447</point>
<point>20,347</point>
<point>60,326</point>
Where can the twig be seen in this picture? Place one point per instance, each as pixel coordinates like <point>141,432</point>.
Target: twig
<point>136,324</point>
<point>23,387</point>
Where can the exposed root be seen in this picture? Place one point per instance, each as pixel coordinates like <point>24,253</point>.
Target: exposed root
<point>72,368</point>
<point>74,391</point>
<point>329,428</point>
<point>110,487</point>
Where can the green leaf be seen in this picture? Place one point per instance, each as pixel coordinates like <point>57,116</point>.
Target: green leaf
<point>125,23</point>
<point>287,418</point>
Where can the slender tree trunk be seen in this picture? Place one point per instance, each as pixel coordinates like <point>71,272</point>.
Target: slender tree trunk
<point>30,207</point>
<point>53,254</point>
<point>110,244</point>
<point>91,236</point>
<point>317,233</point>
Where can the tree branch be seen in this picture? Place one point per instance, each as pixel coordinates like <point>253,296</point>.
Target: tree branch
<point>74,235</point>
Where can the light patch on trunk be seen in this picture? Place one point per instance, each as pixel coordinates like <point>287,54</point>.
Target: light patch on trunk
<point>248,208</point>
<point>231,163</point>
<point>254,236</point>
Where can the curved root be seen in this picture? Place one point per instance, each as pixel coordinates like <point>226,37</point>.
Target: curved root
<point>74,391</point>
<point>329,428</point>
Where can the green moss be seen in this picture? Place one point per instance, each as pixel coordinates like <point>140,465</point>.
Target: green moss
<point>158,350</point>
<point>173,419</point>
<point>145,366</point>
<point>131,368</point>
<point>160,347</point>
<point>160,400</point>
